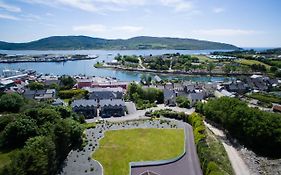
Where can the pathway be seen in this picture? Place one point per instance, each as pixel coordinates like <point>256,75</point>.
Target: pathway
<point>238,164</point>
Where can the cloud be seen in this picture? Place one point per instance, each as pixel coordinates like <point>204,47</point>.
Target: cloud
<point>31,17</point>
<point>93,28</point>
<point>114,5</point>
<point>225,32</point>
<point>218,10</point>
<point>128,29</point>
<point>85,5</point>
<point>105,30</point>
<point>9,17</point>
<point>9,7</point>
<point>178,5</point>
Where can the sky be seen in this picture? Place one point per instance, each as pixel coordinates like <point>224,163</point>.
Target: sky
<point>244,23</point>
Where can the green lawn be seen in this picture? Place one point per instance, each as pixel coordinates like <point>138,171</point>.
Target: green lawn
<point>118,148</point>
<point>5,157</point>
<point>203,58</point>
<point>251,62</point>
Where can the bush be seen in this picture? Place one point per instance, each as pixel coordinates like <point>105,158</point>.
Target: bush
<point>183,102</point>
<point>66,94</point>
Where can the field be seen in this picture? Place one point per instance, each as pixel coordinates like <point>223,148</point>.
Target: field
<point>118,148</point>
<point>203,58</point>
<point>251,62</point>
<point>266,98</point>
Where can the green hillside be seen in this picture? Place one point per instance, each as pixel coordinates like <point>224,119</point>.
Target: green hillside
<point>142,42</point>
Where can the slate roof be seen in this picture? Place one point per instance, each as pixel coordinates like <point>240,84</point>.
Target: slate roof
<point>196,96</point>
<point>169,94</point>
<point>112,102</point>
<point>84,103</point>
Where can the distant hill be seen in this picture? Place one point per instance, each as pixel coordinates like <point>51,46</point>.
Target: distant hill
<point>142,42</point>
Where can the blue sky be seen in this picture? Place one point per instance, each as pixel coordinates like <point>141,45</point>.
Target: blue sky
<point>245,23</point>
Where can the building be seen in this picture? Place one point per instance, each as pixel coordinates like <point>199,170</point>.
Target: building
<point>105,93</point>
<point>110,84</point>
<point>49,80</point>
<point>112,108</point>
<point>169,97</point>
<point>82,83</point>
<point>40,94</point>
<point>195,97</point>
<point>58,102</point>
<point>223,93</point>
<point>10,73</point>
<point>87,108</point>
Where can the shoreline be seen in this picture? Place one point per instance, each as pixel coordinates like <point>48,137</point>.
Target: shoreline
<point>166,72</point>
<point>40,61</point>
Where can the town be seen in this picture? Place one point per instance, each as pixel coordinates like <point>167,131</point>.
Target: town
<point>4,58</point>
<point>97,100</point>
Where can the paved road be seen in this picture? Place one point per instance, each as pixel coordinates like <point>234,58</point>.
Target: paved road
<point>238,165</point>
<point>139,114</point>
<point>188,165</point>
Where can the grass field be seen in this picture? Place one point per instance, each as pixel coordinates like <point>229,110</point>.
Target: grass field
<point>251,62</point>
<point>203,58</point>
<point>266,98</point>
<point>118,148</point>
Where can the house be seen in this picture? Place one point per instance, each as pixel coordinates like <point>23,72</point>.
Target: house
<point>40,94</point>
<point>169,97</point>
<point>81,83</point>
<point>87,108</point>
<point>58,102</point>
<point>112,108</point>
<point>157,79</point>
<point>238,87</point>
<point>195,97</point>
<point>6,83</point>
<point>110,84</point>
<point>223,93</point>
<point>49,80</point>
<point>105,93</point>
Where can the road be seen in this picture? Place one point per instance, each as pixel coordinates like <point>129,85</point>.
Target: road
<point>237,163</point>
<point>139,114</point>
<point>187,165</point>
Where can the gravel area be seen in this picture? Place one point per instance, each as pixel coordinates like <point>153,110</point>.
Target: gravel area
<point>79,162</point>
<point>260,165</point>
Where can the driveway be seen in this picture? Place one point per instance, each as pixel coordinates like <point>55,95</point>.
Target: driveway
<point>187,165</point>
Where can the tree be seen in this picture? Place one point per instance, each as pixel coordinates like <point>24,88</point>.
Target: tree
<point>37,157</point>
<point>11,102</point>
<point>67,134</point>
<point>67,82</point>
<point>183,102</point>
<point>16,133</point>
<point>36,86</point>
<point>210,67</point>
<point>273,69</point>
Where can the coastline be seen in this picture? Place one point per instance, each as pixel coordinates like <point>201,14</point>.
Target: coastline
<point>49,61</point>
<point>176,72</point>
